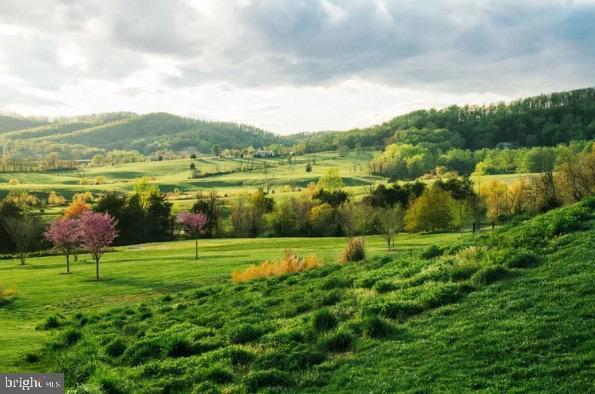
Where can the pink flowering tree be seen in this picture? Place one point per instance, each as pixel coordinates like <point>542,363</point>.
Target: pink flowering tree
<point>64,234</point>
<point>97,232</point>
<point>194,223</point>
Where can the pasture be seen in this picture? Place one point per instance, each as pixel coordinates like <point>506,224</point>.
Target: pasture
<point>132,274</point>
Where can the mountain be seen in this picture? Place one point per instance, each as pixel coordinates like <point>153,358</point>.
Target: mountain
<point>9,122</point>
<point>543,120</point>
<point>145,133</point>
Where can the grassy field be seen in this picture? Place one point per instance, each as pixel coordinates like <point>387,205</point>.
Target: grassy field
<point>134,273</point>
<point>508,311</point>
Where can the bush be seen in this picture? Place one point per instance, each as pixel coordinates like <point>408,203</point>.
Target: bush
<point>354,251</point>
<point>70,337</point>
<point>290,263</point>
<point>441,294</point>
<point>489,274</point>
<point>323,320</point>
<point>384,286</point>
<point>431,252</point>
<point>115,348</point>
<point>218,374</point>
<point>142,351</point>
<point>520,258</point>
<point>256,380</point>
<point>51,322</point>
<point>239,356</point>
<point>244,333</point>
<point>375,327</point>
<point>31,357</point>
<point>399,309</point>
<point>180,347</point>
<point>337,341</point>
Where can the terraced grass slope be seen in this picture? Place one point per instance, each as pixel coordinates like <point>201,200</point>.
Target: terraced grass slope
<point>507,311</point>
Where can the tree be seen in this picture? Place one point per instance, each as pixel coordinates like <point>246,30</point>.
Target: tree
<point>193,223</point>
<point>209,205</point>
<point>308,167</point>
<point>461,213</point>
<point>97,231</point>
<point>64,234</point>
<point>430,211</point>
<point>331,180</point>
<point>22,230</point>
<point>358,218</point>
<point>192,166</point>
<point>216,150</point>
<point>391,221</point>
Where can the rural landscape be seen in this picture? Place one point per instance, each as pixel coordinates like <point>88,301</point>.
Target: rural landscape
<point>443,248</point>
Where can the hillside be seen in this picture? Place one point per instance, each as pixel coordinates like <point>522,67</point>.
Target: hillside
<point>543,120</point>
<point>146,133</point>
<point>9,122</point>
<point>506,311</point>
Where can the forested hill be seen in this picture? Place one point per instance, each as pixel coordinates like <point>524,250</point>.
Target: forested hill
<point>535,121</point>
<point>145,133</point>
<point>9,122</point>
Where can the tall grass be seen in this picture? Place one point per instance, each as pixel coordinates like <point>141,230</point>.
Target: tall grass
<point>289,263</point>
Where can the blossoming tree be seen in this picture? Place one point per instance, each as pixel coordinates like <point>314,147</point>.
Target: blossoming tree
<point>97,231</point>
<point>64,234</point>
<point>193,223</point>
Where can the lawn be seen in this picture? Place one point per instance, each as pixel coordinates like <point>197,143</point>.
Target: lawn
<point>132,274</point>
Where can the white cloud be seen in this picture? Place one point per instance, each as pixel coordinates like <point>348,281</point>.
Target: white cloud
<point>288,66</point>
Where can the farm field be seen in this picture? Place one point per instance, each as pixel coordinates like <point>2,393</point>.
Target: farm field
<point>134,273</point>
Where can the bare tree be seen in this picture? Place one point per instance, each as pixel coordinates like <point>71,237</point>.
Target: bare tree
<point>391,222</point>
<point>22,231</point>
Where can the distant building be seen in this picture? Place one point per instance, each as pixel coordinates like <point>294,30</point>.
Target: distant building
<point>503,145</point>
<point>264,154</point>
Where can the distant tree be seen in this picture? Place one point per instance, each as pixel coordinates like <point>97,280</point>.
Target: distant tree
<point>56,199</point>
<point>331,180</point>
<point>358,218</point>
<point>391,222</point>
<point>192,166</point>
<point>193,223</point>
<point>334,198</point>
<point>216,150</point>
<point>159,158</point>
<point>342,150</point>
<point>429,212</point>
<point>209,204</point>
<point>461,213</point>
<point>22,231</point>
<point>308,167</point>
<point>97,231</point>
<point>193,156</point>
<point>64,234</point>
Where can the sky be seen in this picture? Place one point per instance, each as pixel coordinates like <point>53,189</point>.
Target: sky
<point>288,65</point>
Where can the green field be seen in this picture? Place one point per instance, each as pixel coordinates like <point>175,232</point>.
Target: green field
<point>133,273</point>
<point>507,311</point>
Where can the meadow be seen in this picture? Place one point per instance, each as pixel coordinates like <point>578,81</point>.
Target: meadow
<point>506,310</point>
<point>135,273</point>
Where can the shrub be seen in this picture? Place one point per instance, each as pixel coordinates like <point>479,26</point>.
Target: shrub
<point>438,294</point>
<point>400,309</point>
<point>115,348</point>
<point>431,252</point>
<point>323,320</point>
<point>51,322</point>
<point>31,357</point>
<point>219,375</point>
<point>290,358</point>
<point>14,182</point>
<point>290,263</point>
<point>180,347</point>
<point>518,258</point>
<point>142,351</point>
<point>244,333</point>
<point>489,274</point>
<point>384,286</point>
<point>354,251</point>
<point>256,380</point>
<point>70,337</point>
<point>8,292</point>
<point>375,327</point>
<point>338,341</point>
<point>239,356</point>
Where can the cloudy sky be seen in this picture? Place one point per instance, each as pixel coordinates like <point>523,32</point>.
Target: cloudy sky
<point>288,65</point>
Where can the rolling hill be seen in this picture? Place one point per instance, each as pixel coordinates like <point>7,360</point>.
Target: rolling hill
<point>144,133</point>
<point>508,311</point>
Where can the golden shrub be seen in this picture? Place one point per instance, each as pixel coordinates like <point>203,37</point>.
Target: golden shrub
<point>290,263</point>
<point>8,292</point>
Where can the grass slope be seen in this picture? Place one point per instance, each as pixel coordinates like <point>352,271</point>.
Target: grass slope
<point>508,311</point>
<point>134,273</point>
